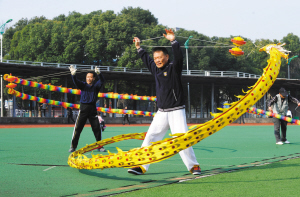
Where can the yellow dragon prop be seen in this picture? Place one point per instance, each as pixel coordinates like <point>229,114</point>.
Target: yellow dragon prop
<point>168,147</point>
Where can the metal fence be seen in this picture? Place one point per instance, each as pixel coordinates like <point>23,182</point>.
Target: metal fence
<point>133,70</point>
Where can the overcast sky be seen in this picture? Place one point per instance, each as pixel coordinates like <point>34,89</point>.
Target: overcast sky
<point>254,19</point>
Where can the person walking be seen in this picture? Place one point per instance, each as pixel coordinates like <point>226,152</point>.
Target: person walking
<point>70,115</point>
<point>126,118</point>
<point>43,109</point>
<point>280,104</point>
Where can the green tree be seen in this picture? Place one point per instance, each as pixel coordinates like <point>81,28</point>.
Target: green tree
<point>293,44</point>
<point>105,38</point>
<point>97,38</point>
<point>74,42</point>
<point>8,35</point>
<point>143,16</point>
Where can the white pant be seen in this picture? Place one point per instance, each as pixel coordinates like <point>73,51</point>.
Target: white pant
<point>176,120</point>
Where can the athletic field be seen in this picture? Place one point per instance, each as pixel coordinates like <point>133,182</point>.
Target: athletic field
<point>33,162</point>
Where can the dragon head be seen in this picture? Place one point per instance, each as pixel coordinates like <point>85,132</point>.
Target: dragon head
<point>284,53</point>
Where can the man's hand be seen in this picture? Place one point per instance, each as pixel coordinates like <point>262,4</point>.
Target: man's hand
<point>170,35</point>
<point>97,70</point>
<point>73,70</point>
<point>298,104</point>
<point>137,42</point>
<point>270,109</point>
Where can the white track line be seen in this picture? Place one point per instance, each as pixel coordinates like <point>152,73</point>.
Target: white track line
<point>49,168</point>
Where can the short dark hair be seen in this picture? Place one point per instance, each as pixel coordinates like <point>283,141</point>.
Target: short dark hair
<point>94,74</point>
<point>163,49</point>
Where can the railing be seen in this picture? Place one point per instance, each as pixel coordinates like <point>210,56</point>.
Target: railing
<point>134,70</point>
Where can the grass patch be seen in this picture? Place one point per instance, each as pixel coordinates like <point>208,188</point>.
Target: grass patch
<point>276,179</point>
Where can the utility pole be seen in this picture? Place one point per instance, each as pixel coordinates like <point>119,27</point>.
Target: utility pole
<point>186,45</point>
<point>1,95</point>
<point>1,34</point>
<point>289,61</point>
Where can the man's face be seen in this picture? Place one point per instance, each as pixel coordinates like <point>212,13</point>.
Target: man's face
<point>160,58</point>
<point>90,78</point>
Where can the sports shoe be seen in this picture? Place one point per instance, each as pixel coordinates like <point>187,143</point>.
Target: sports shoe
<point>71,150</point>
<point>279,143</point>
<point>196,170</point>
<point>136,171</point>
<point>101,149</point>
<point>287,142</point>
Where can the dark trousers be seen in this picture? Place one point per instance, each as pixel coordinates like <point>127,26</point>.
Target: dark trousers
<point>277,124</point>
<point>87,111</point>
<point>126,118</point>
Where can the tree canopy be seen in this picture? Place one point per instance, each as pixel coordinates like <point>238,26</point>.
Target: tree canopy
<point>105,38</point>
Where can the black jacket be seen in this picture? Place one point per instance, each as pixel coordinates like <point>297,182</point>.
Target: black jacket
<point>169,91</point>
<point>89,93</point>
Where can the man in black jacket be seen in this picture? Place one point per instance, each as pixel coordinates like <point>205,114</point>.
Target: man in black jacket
<point>88,110</point>
<point>170,100</point>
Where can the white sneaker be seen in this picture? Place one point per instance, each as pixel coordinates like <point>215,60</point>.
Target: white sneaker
<point>279,143</point>
<point>287,142</point>
<point>101,149</point>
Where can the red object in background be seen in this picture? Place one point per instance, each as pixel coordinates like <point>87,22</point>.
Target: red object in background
<point>11,85</point>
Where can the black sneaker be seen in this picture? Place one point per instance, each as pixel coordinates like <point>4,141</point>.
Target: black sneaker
<point>136,171</point>
<point>71,150</point>
<point>101,149</point>
<point>196,170</point>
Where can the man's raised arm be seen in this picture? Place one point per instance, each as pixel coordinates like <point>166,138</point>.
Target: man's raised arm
<point>144,56</point>
<point>178,57</point>
<point>101,80</point>
<point>78,84</point>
